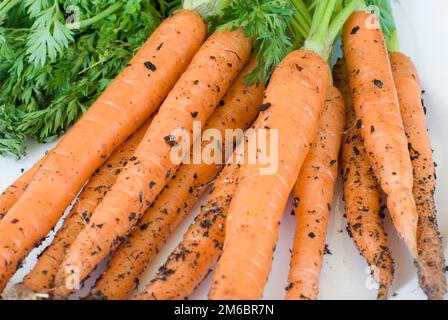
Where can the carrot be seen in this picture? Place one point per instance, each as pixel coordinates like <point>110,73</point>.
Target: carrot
<point>257,207</point>
<point>195,255</point>
<point>432,268</point>
<point>238,109</point>
<point>12,194</point>
<point>194,97</point>
<point>41,278</point>
<point>362,194</point>
<point>377,107</point>
<point>313,195</point>
<point>135,94</point>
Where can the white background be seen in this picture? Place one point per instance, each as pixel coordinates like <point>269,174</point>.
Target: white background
<point>423,32</point>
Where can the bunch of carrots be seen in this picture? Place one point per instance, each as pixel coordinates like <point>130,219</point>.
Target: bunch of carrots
<point>213,62</point>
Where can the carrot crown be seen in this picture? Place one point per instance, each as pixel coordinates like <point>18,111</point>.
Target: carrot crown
<point>328,19</point>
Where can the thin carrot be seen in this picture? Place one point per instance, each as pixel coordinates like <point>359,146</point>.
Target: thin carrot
<point>41,278</point>
<point>194,97</point>
<point>12,194</point>
<point>195,255</point>
<point>313,195</point>
<point>430,250</point>
<point>135,94</point>
<point>377,107</point>
<point>257,207</point>
<point>237,110</point>
<point>362,194</point>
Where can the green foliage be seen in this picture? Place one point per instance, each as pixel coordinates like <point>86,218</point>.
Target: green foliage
<point>265,21</point>
<point>50,73</point>
<point>48,36</point>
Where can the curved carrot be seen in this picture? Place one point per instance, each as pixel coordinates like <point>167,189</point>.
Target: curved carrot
<point>195,255</point>
<point>362,194</point>
<point>293,103</point>
<point>432,268</point>
<point>12,194</point>
<point>313,195</point>
<point>238,109</point>
<point>41,277</point>
<point>135,94</point>
<point>377,107</point>
<point>194,97</point>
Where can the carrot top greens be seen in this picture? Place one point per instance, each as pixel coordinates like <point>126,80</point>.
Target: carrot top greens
<point>57,56</point>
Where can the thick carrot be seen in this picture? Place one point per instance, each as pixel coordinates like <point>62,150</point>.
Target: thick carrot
<point>362,194</point>
<point>238,109</point>
<point>194,97</point>
<point>293,103</point>
<point>135,94</point>
<point>432,268</point>
<point>41,278</point>
<point>313,195</point>
<point>195,255</point>
<point>377,107</point>
<point>12,194</point>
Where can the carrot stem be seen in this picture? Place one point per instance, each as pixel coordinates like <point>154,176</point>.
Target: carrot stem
<point>300,23</point>
<point>85,23</point>
<point>325,27</point>
<point>206,8</point>
<point>393,45</point>
<point>303,10</point>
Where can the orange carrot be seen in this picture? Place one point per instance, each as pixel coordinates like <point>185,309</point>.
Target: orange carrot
<point>41,278</point>
<point>12,194</point>
<point>256,209</point>
<point>194,97</point>
<point>238,109</point>
<point>362,194</point>
<point>313,195</point>
<point>135,94</point>
<point>195,255</point>
<point>377,107</point>
<point>432,268</point>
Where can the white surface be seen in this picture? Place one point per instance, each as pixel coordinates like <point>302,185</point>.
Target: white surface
<point>423,30</point>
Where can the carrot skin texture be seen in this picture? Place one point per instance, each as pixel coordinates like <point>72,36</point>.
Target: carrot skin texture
<point>430,250</point>
<point>195,255</point>
<point>362,194</point>
<point>41,278</point>
<point>199,90</point>
<point>295,96</point>
<point>123,107</point>
<point>313,195</point>
<point>376,105</point>
<point>13,193</point>
<point>237,110</point>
